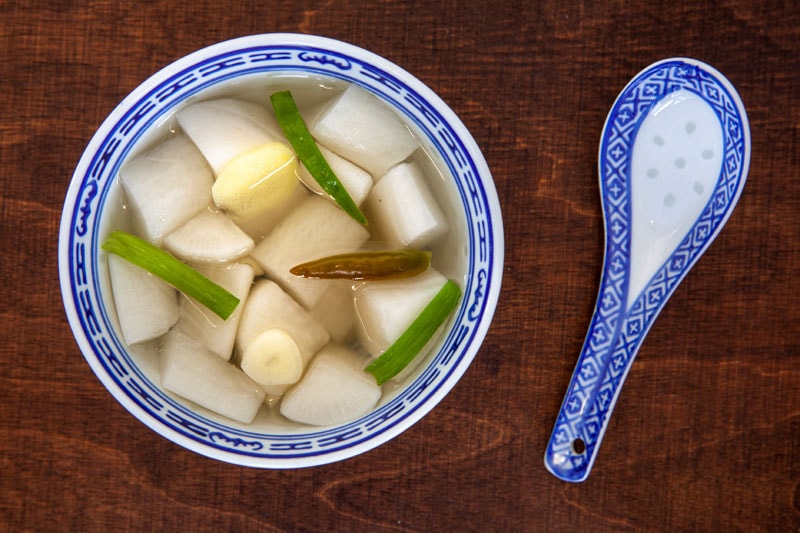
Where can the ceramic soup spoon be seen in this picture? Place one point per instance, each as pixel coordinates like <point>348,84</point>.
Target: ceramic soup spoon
<point>674,156</point>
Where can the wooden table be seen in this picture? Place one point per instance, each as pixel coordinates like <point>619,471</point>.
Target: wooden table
<point>706,434</point>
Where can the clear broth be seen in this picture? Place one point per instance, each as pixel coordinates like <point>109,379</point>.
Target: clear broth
<point>311,93</point>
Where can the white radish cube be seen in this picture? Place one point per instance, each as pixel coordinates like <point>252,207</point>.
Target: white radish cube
<point>315,228</point>
<point>205,326</point>
<point>361,128</point>
<point>209,237</point>
<point>355,180</point>
<point>269,307</point>
<point>403,208</point>
<point>249,261</point>
<point>334,310</point>
<point>198,375</point>
<point>387,308</point>
<point>146,305</point>
<point>334,389</point>
<point>166,186</point>
<point>225,128</point>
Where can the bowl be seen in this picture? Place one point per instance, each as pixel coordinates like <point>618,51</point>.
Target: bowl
<point>132,375</point>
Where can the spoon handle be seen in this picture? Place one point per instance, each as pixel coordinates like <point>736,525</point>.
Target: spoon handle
<point>612,342</point>
<point>596,380</point>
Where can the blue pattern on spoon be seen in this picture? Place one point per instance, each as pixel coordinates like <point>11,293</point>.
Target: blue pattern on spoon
<point>673,160</point>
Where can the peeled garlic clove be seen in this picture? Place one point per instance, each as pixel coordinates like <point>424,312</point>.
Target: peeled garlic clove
<point>257,181</point>
<point>272,358</point>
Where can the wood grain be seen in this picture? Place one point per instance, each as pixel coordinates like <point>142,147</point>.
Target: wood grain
<point>706,434</point>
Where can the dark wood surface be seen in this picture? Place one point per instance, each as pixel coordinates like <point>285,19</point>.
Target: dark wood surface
<point>706,434</point>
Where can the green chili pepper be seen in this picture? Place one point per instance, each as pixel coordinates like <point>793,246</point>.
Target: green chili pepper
<point>366,266</point>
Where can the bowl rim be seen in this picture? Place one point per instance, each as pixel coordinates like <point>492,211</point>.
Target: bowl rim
<point>85,196</point>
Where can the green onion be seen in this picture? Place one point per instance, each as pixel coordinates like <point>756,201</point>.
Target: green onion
<point>293,126</point>
<point>413,339</point>
<point>172,270</point>
<point>366,266</point>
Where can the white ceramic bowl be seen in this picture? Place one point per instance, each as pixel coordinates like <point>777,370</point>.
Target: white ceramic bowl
<point>133,379</point>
